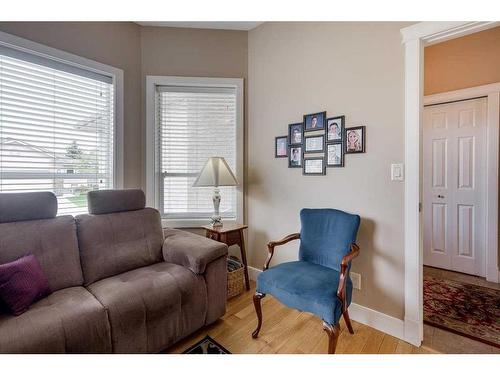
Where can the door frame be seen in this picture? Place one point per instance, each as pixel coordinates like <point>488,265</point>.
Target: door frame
<point>492,93</point>
<point>414,39</point>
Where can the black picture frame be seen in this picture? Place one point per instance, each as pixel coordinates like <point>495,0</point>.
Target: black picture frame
<point>290,155</point>
<point>323,167</point>
<point>321,120</point>
<point>341,147</point>
<point>362,142</point>
<point>329,120</point>
<point>314,151</point>
<point>276,155</point>
<point>291,128</point>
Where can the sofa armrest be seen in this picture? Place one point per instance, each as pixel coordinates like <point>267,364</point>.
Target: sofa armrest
<point>191,250</point>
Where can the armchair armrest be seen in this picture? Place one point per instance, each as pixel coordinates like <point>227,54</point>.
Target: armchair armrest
<point>271,245</point>
<point>344,272</point>
<point>191,250</point>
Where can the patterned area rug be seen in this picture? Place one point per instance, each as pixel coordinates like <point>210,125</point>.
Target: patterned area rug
<point>207,345</point>
<point>469,310</point>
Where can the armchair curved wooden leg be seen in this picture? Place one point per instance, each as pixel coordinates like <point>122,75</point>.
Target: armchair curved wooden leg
<point>258,310</point>
<point>348,321</point>
<point>333,335</point>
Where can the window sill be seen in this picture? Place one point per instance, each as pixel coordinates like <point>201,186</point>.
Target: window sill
<point>190,223</point>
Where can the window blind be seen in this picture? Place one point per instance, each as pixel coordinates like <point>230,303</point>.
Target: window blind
<point>193,124</point>
<point>56,129</point>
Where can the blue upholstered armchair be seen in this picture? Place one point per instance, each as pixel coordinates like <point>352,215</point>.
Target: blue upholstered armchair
<point>319,281</point>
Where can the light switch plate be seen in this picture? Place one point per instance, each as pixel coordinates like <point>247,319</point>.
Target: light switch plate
<point>356,280</point>
<point>397,172</point>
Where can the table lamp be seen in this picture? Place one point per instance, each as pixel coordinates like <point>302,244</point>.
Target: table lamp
<point>216,173</point>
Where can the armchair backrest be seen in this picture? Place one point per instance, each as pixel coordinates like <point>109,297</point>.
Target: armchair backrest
<point>326,235</point>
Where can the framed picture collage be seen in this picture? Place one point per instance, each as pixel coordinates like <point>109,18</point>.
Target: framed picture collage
<point>319,142</point>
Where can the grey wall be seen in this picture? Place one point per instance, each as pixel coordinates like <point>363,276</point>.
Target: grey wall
<point>192,53</point>
<point>113,43</point>
<point>142,51</point>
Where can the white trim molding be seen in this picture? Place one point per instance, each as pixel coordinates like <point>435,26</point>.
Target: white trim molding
<point>414,38</point>
<point>364,315</point>
<point>116,74</point>
<point>437,32</point>
<point>152,172</point>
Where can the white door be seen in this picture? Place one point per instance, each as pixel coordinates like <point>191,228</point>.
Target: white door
<point>454,158</point>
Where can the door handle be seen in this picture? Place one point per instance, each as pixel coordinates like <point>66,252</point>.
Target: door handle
<point>440,196</point>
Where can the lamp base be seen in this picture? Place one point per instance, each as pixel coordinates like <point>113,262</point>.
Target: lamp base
<point>216,221</point>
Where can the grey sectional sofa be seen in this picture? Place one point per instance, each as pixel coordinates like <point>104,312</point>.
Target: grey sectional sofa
<point>120,283</point>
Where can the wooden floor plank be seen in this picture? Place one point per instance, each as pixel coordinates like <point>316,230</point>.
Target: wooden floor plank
<point>286,330</point>
<point>373,341</point>
<point>389,345</point>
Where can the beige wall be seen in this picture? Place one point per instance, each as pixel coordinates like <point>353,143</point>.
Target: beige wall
<point>112,43</point>
<point>352,69</point>
<point>292,69</point>
<point>469,61</point>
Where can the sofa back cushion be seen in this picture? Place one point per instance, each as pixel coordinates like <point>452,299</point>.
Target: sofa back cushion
<point>115,200</point>
<point>27,206</point>
<point>117,242</point>
<point>52,241</point>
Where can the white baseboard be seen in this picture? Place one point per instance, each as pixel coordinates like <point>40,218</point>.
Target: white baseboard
<point>364,315</point>
<point>375,319</point>
<point>493,274</point>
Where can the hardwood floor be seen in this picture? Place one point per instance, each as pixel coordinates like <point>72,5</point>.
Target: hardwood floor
<point>286,330</point>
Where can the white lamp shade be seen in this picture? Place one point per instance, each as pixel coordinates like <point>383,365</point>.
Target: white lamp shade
<point>216,172</point>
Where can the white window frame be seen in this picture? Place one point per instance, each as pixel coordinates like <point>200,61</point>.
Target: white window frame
<point>152,170</point>
<point>116,74</point>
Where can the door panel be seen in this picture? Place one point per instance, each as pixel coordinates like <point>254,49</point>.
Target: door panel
<point>465,162</point>
<point>438,228</point>
<point>454,159</point>
<point>439,163</point>
<point>465,229</point>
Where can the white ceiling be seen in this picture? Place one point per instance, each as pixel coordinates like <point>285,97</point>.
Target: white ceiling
<point>205,25</point>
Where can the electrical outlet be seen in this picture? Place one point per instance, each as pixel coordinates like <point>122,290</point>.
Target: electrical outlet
<point>356,280</point>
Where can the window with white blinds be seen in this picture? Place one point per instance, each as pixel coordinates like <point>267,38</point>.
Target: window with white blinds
<point>193,124</point>
<point>56,129</point>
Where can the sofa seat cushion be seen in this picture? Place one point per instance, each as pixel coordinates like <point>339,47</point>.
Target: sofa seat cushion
<point>70,320</point>
<point>151,307</point>
<point>307,287</point>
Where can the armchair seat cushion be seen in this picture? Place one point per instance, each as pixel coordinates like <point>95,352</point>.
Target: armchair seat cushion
<point>307,287</point>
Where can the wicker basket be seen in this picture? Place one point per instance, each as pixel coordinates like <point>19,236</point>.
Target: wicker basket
<point>235,282</point>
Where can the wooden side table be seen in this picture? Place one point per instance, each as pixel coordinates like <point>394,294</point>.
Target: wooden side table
<point>230,234</point>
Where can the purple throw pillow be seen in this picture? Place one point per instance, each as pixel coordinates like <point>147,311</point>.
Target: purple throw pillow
<point>22,282</point>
